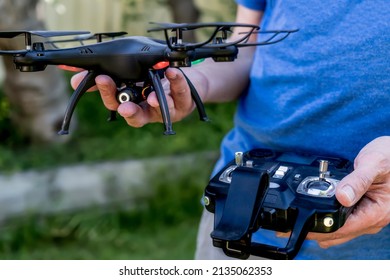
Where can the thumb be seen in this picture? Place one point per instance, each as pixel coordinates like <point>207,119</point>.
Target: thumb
<point>180,90</point>
<point>353,186</point>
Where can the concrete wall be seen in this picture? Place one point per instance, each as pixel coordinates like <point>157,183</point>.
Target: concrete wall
<point>70,188</point>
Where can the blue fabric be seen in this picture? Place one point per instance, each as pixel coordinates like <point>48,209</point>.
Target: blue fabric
<point>254,5</point>
<point>324,90</point>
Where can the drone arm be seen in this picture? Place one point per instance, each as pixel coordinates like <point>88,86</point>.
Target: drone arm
<point>196,98</point>
<point>155,78</point>
<point>86,83</point>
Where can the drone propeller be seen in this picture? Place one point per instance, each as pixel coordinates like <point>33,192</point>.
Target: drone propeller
<point>161,26</point>
<point>274,37</point>
<point>40,33</point>
<point>176,42</point>
<point>13,52</point>
<point>99,36</point>
<point>84,37</point>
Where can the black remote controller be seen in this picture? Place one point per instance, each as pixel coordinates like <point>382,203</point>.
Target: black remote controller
<point>279,191</point>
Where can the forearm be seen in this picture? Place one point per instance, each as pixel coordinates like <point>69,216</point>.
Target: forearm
<point>222,81</point>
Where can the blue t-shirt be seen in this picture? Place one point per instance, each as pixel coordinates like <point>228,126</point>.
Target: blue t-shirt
<point>324,90</point>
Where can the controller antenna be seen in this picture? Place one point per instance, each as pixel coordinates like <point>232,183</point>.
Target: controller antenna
<point>323,169</point>
<point>239,158</point>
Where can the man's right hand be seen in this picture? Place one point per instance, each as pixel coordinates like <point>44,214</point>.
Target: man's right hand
<point>177,92</point>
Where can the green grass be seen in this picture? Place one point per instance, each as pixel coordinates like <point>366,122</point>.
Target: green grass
<point>163,226</point>
<point>137,244</point>
<point>112,235</point>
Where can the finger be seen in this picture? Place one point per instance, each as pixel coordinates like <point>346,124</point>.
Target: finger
<point>180,90</point>
<point>77,79</point>
<point>134,114</point>
<point>153,100</point>
<point>329,243</point>
<point>155,110</point>
<point>107,89</point>
<point>353,186</point>
<point>283,234</point>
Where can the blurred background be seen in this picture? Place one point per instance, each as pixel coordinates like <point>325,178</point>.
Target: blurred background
<point>106,191</point>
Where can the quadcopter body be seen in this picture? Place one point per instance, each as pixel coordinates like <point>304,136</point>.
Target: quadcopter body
<point>136,63</point>
<point>126,59</point>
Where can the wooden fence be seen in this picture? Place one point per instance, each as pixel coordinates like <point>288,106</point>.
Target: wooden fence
<point>132,16</point>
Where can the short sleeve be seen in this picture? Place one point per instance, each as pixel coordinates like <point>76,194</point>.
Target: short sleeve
<point>258,5</point>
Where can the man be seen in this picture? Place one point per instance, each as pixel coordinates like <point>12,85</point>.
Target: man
<point>324,90</point>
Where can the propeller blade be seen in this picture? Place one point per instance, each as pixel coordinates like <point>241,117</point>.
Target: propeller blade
<point>176,43</point>
<point>41,33</point>
<point>111,34</point>
<point>273,37</point>
<point>100,34</point>
<point>12,52</point>
<point>190,26</point>
<point>85,37</point>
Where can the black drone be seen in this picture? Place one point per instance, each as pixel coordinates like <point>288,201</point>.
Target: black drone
<point>136,63</point>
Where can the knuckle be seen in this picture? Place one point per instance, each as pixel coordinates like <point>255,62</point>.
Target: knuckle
<point>363,181</point>
<point>381,162</point>
<point>180,89</point>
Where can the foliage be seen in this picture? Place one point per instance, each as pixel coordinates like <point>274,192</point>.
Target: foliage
<point>162,227</point>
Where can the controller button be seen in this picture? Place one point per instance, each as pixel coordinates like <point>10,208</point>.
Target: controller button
<point>297,177</point>
<point>205,201</point>
<point>282,170</point>
<point>328,221</point>
<point>239,158</point>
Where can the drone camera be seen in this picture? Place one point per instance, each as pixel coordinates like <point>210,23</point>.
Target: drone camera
<point>129,94</point>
